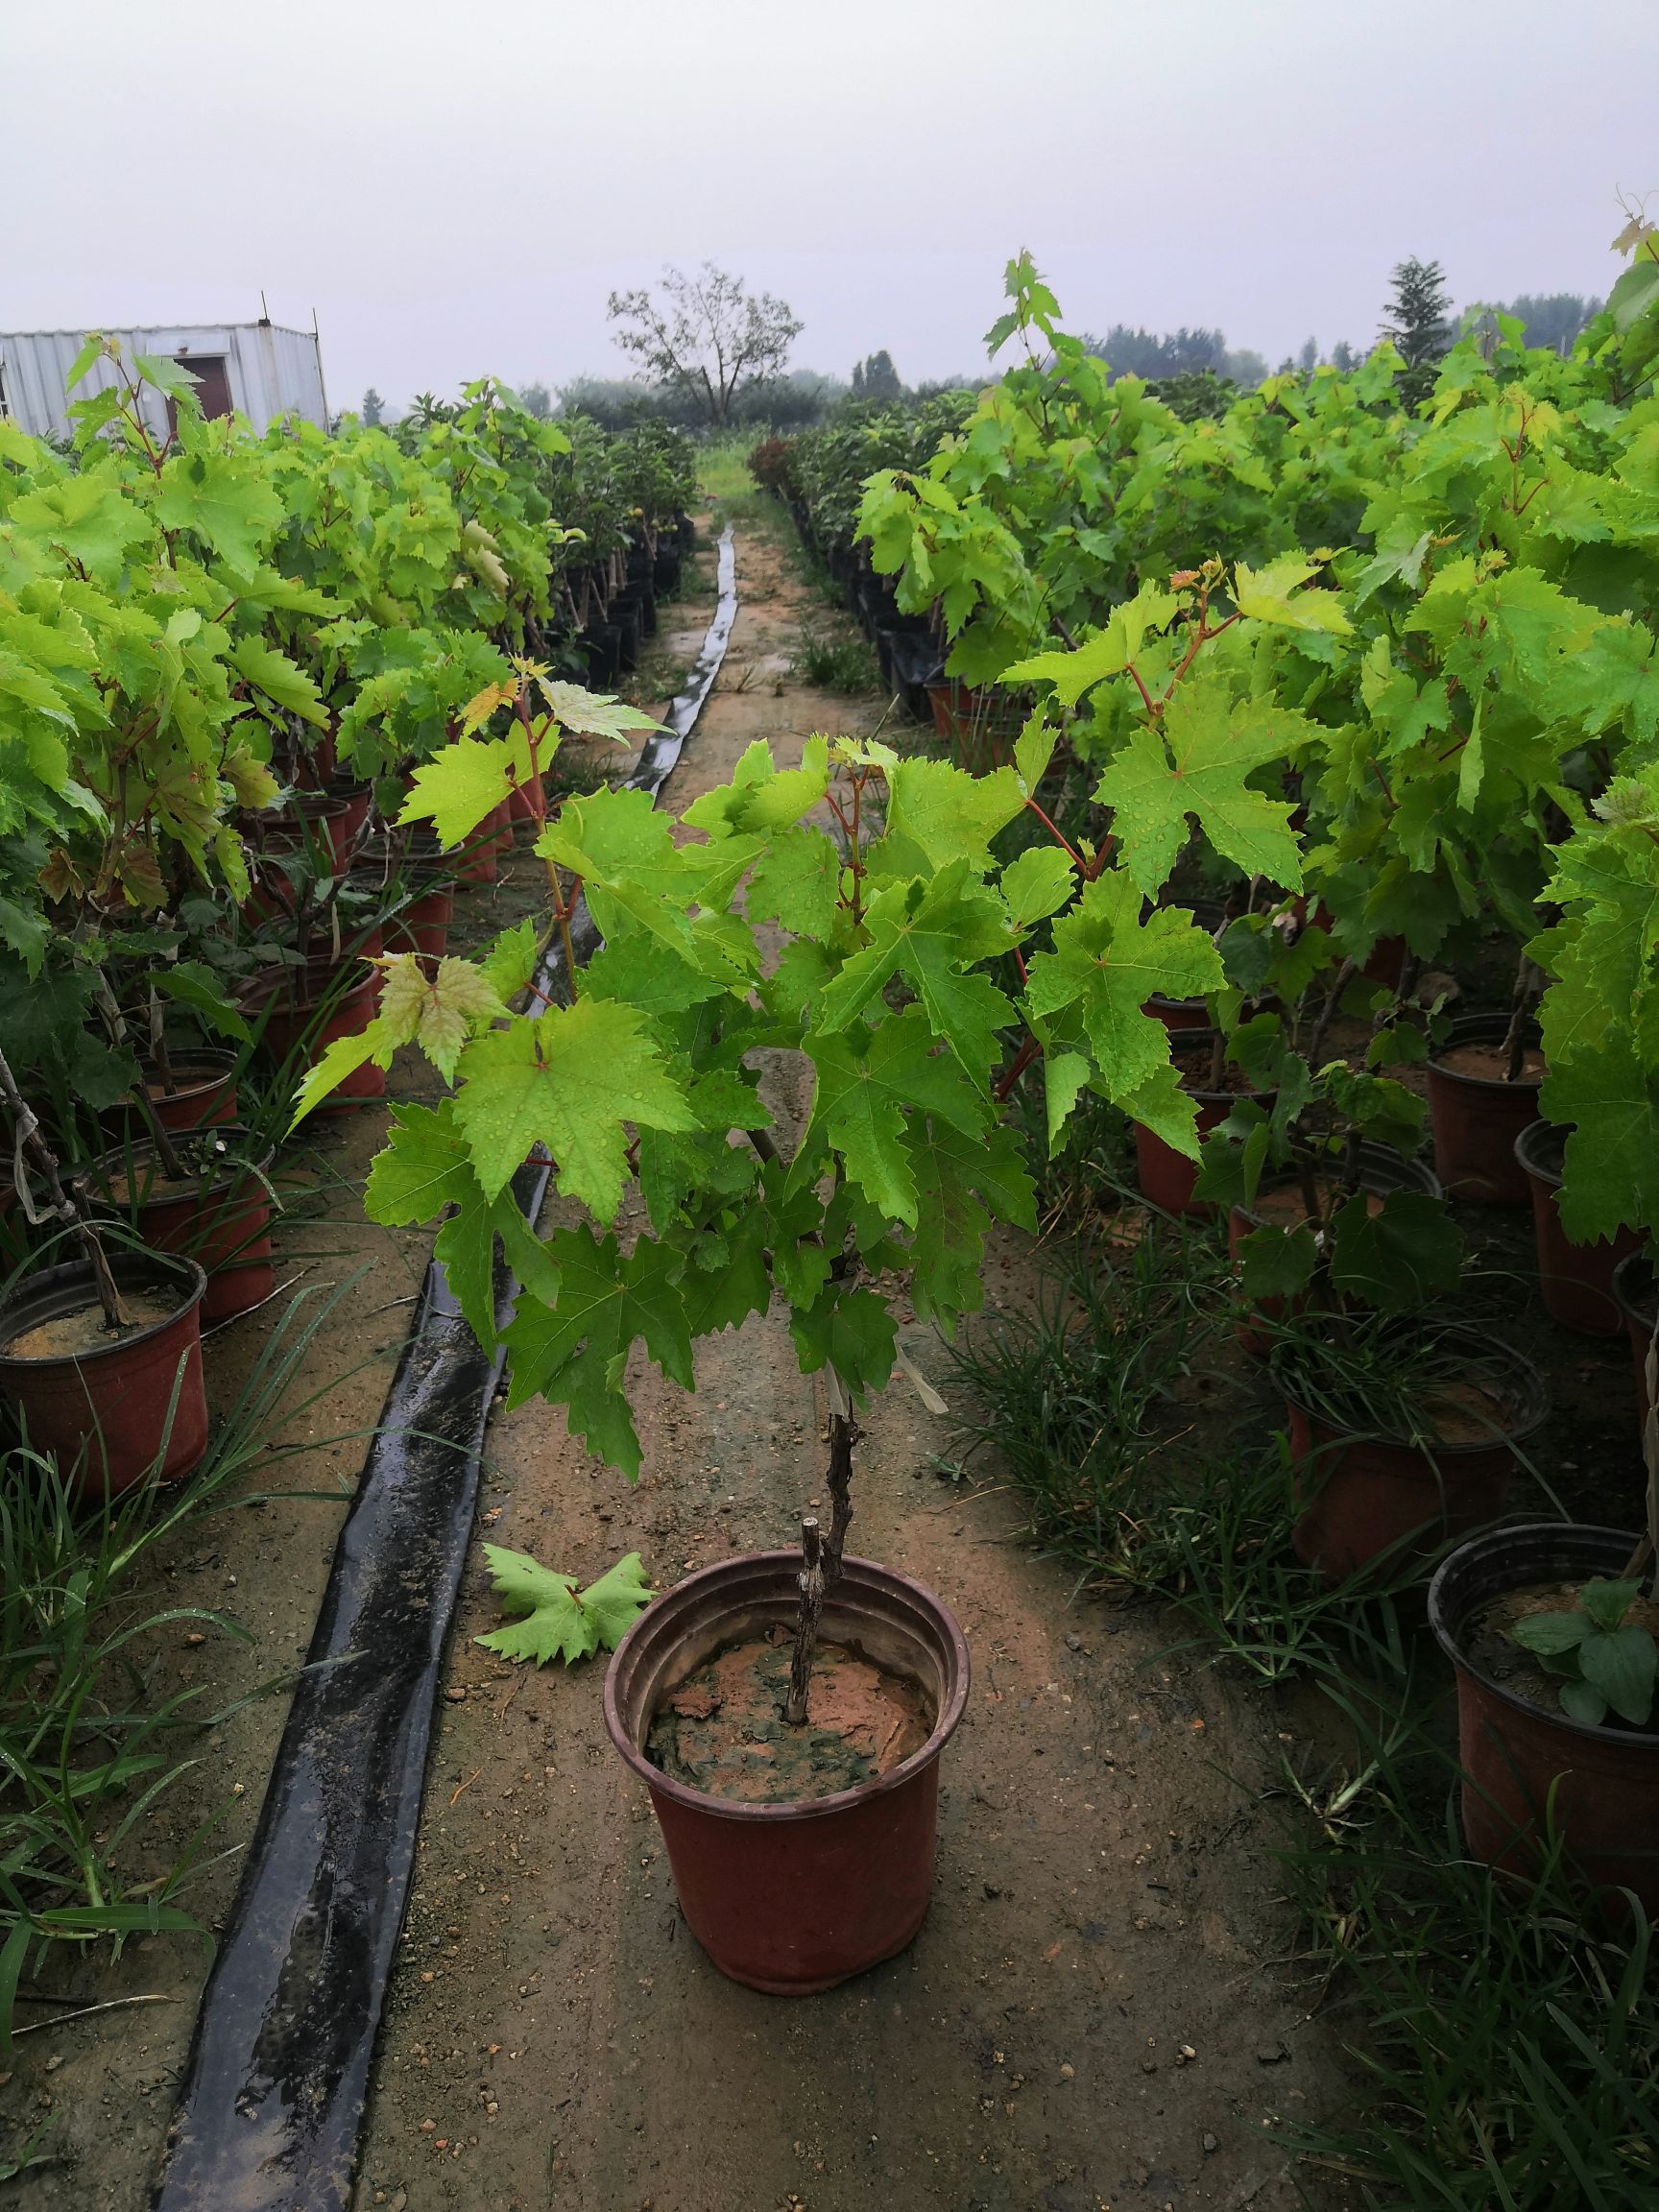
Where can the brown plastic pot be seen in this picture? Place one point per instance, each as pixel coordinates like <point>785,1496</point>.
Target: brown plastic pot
<point>202,1097</point>
<point>423,926</point>
<point>1637,1298</point>
<point>307,1011</point>
<point>123,1410</point>
<point>1168,1177</point>
<point>793,1898</point>
<point>479,860</point>
<point>300,821</point>
<point>223,1225</point>
<point>1382,1169</point>
<point>1524,1767</point>
<point>1368,1495</point>
<point>1575,1280</point>
<point>1477,1120</point>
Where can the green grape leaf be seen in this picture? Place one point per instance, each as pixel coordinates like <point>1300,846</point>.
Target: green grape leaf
<point>558,1621</point>
<point>931,932</point>
<point>280,679</point>
<point>593,713</point>
<point>423,1166</point>
<point>866,1081</point>
<point>937,814</point>
<point>226,499</point>
<point>1107,963</point>
<point>86,518</point>
<point>1037,884</point>
<point>796,883</point>
<point>438,1012</point>
<point>1611,1164</point>
<point>1106,654</point>
<point>851,1330</point>
<point>1274,594</point>
<point>961,1182</point>
<point>761,796</point>
<point>574,1353</point>
<point>1276,1262</point>
<point>571,1080</point>
<point>454,791</point>
<point>1196,763</point>
<point>1400,1255</point>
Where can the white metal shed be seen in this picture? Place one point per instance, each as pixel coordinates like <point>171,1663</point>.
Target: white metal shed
<point>259,369</point>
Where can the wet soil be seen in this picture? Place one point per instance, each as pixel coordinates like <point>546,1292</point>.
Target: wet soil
<point>1490,1642</point>
<point>85,1329</point>
<point>722,1730</point>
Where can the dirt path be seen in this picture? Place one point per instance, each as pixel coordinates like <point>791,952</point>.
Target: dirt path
<point>1087,2020</point>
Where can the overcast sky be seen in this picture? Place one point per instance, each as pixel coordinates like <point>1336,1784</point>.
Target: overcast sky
<point>455,188</point>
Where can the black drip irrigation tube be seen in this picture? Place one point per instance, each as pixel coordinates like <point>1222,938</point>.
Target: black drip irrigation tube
<point>276,2085</point>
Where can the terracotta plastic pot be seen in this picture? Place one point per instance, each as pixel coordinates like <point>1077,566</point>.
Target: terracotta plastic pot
<point>479,860</point>
<point>1382,1169</point>
<point>304,818</point>
<point>1166,1176</point>
<point>1575,1280</point>
<point>202,1097</point>
<point>356,799</point>
<point>1522,1765</point>
<point>1477,1120</point>
<point>521,806</point>
<point>224,1225</point>
<point>106,1411</point>
<point>793,1898</point>
<point>1637,1298</point>
<point>307,1012</point>
<point>1368,1495</point>
<point>423,926</point>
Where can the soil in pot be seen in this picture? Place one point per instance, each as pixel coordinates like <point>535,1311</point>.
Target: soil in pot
<point>1489,1640</point>
<point>1525,1763</point>
<point>1574,1281</point>
<point>1478,1112</point>
<point>723,1729</point>
<point>1371,1493</point>
<point>1166,1176</point>
<point>67,1336</point>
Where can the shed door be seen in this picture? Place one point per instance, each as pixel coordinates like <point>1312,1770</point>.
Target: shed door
<point>212,388</point>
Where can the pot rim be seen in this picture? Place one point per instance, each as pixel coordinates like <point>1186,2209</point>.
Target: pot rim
<point>230,1173</point>
<point>1529,1424</point>
<point>214,1058</point>
<point>787,1565</point>
<point>136,1266</point>
<point>1483,1029</point>
<point>1417,1178</point>
<point>1446,1634</point>
<point>1530,1139</point>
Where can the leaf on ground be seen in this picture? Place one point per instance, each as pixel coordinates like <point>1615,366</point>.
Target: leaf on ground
<point>556,1621</point>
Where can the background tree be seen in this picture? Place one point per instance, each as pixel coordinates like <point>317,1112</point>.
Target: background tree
<point>1344,356</point>
<point>1307,360</point>
<point>876,378</point>
<point>536,400</point>
<point>1552,319</point>
<point>374,409</point>
<point>1417,323</point>
<point>705,333</point>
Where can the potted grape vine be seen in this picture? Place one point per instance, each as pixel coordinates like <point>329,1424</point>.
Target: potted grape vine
<point>808,1859</point>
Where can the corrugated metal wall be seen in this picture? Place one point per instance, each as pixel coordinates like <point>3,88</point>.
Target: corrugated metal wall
<point>272,372</point>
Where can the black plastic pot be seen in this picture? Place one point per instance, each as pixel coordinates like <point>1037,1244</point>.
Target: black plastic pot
<point>1523,1767</point>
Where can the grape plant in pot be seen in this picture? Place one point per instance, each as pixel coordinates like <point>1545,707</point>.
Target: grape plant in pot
<point>839,921</point>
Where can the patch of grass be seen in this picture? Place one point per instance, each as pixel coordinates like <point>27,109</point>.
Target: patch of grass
<point>1510,2045</point>
<point>89,1744</point>
<point>845,665</point>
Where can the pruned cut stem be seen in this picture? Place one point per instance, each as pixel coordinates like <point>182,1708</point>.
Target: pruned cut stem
<point>812,1584</point>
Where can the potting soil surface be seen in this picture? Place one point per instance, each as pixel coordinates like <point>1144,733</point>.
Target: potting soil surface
<point>87,1330</point>
<point>723,1730</point>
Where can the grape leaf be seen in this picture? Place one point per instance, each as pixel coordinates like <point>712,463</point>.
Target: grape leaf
<point>851,1330</point>
<point>571,1080</point>
<point>281,680</point>
<point>423,1166</point>
<point>1107,962</point>
<point>932,932</point>
<point>1274,594</point>
<point>866,1080</point>
<point>226,499</point>
<point>574,1353</point>
<point>1195,763</point>
<point>761,796</point>
<point>559,1620</point>
<point>1106,654</point>
<point>438,1013</point>
<point>468,780</point>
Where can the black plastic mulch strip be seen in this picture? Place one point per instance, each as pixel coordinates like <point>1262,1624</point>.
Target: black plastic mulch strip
<point>278,2081</point>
